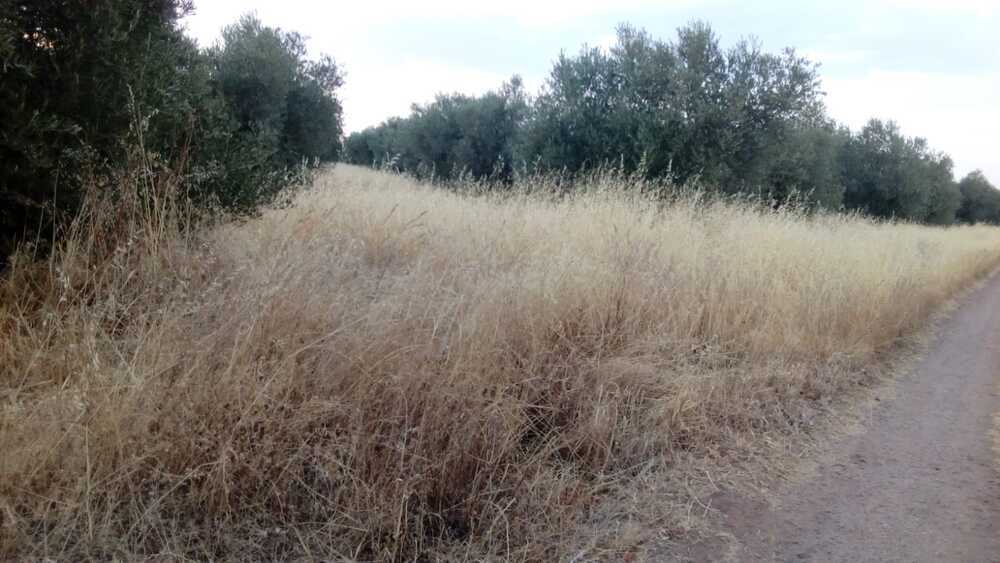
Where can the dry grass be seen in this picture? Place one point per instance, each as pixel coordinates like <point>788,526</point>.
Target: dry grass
<point>390,372</point>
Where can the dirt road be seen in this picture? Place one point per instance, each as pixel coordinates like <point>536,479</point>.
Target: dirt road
<point>921,482</point>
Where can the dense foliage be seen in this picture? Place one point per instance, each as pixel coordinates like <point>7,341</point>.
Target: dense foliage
<point>736,120</point>
<point>686,108</point>
<point>83,85</point>
<point>980,200</point>
<point>888,175</point>
<point>454,135</point>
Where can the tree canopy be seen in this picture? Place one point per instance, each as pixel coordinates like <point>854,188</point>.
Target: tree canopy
<point>454,135</point>
<point>83,83</point>
<point>734,120</point>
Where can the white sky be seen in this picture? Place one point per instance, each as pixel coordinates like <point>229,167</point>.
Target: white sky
<point>933,66</point>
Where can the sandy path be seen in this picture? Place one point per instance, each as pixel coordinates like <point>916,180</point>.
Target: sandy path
<point>921,483</point>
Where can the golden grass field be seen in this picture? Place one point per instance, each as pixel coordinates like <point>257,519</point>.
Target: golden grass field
<point>389,371</point>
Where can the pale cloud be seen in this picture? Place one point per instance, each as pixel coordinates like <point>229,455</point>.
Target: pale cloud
<point>354,17</point>
<point>826,56</point>
<point>526,12</point>
<point>373,94</point>
<point>977,7</point>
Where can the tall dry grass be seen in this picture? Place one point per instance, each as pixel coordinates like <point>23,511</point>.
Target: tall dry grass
<point>385,371</point>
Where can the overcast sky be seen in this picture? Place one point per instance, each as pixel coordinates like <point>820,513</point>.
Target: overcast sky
<point>933,66</point>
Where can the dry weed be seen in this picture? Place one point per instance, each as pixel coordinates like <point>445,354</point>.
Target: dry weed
<point>386,371</point>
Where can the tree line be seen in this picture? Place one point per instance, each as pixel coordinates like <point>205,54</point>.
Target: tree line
<point>736,120</point>
<point>88,87</point>
<point>84,86</point>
